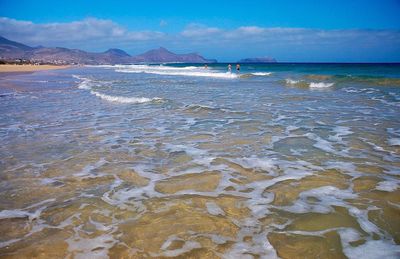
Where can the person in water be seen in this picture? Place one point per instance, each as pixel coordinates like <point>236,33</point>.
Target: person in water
<point>237,68</point>
<point>205,66</point>
<point>230,68</point>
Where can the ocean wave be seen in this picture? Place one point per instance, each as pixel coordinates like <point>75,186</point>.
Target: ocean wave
<point>358,79</point>
<point>292,82</point>
<point>155,68</point>
<point>197,108</point>
<point>320,85</point>
<point>394,142</point>
<point>85,83</point>
<point>298,83</point>
<point>302,83</point>
<point>126,100</point>
<point>175,71</point>
<point>369,80</point>
<point>261,73</point>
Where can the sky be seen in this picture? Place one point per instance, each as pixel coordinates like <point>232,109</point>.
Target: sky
<point>289,31</point>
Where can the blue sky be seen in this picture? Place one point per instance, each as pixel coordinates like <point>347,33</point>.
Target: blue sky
<point>317,31</point>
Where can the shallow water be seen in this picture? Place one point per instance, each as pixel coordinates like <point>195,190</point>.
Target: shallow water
<point>290,161</point>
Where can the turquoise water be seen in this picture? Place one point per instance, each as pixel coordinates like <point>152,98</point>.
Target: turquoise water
<point>280,160</point>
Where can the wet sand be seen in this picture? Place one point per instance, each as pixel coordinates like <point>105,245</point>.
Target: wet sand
<point>100,164</point>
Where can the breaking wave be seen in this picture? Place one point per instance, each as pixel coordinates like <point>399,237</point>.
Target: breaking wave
<point>175,71</point>
<point>357,79</point>
<point>122,99</point>
<point>261,73</point>
<point>88,84</point>
<point>85,83</point>
<point>320,85</point>
<point>302,83</point>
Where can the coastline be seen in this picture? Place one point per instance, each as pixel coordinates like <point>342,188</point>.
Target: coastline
<point>18,69</point>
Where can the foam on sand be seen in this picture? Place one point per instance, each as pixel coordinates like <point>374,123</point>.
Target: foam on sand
<point>388,186</point>
<point>214,209</point>
<point>369,249</point>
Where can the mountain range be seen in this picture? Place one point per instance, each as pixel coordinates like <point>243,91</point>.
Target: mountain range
<point>11,50</point>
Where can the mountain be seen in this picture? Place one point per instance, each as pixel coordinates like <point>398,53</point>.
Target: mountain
<point>11,50</point>
<point>163,55</point>
<point>117,52</point>
<point>13,44</point>
<point>258,60</point>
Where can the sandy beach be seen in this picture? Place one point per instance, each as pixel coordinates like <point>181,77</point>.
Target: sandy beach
<point>27,68</point>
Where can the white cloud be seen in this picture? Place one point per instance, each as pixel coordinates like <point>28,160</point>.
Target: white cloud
<point>197,30</point>
<point>95,34</point>
<point>84,31</point>
<point>287,36</point>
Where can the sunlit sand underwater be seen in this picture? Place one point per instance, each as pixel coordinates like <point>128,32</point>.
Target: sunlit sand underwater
<point>289,161</point>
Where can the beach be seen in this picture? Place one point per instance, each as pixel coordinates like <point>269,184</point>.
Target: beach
<point>27,68</point>
<point>174,160</point>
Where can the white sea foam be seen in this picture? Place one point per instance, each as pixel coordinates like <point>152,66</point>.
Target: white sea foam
<point>370,249</point>
<point>340,131</point>
<point>86,172</point>
<point>158,67</point>
<point>394,141</point>
<point>328,196</point>
<point>96,247</point>
<point>323,144</point>
<point>122,99</point>
<point>320,85</point>
<point>214,209</point>
<point>261,73</point>
<point>346,167</point>
<point>310,84</point>
<point>9,214</point>
<point>255,162</point>
<point>291,81</point>
<point>22,213</point>
<point>85,83</point>
<point>188,246</point>
<point>388,186</point>
<point>175,71</point>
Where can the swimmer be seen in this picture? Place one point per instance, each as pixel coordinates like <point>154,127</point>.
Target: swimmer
<point>230,68</point>
<point>237,68</point>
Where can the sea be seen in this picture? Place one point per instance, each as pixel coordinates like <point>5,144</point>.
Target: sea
<point>179,160</point>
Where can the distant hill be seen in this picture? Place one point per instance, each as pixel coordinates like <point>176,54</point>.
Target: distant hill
<point>6,42</point>
<point>163,55</point>
<point>258,60</point>
<point>117,52</point>
<point>10,50</point>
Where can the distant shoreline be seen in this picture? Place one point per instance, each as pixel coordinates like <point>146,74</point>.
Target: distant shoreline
<point>11,69</point>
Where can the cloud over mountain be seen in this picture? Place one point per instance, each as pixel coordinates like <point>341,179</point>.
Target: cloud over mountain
<point>284,43</point>
<point>83,31</point>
